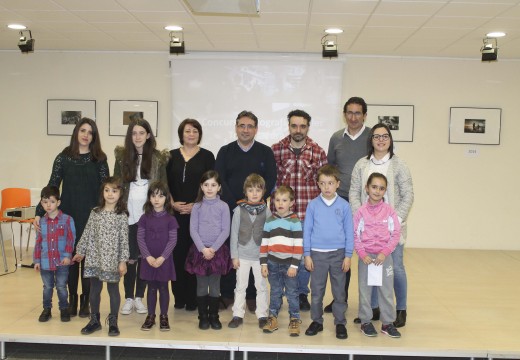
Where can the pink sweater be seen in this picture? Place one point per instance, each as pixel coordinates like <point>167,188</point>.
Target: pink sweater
<point>376,229</point>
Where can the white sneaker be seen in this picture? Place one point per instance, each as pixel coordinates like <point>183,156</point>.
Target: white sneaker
<point>140,308</point>
<point>127,307</point>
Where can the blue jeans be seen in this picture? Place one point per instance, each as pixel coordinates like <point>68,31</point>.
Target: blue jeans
<point>59,279</point>
<point>400,281</point>
<point>278,280</point>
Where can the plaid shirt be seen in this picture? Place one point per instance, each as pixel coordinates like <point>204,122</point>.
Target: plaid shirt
<point>59,234</point>
<point>299,171</point>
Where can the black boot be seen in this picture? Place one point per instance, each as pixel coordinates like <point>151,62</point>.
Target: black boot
<point>213,313</point>
<point>93,325</point>
<point>84,309</point>
<point>73,305</point>
<point>202,305</point>
<point>400,319</point>
<point>113,329</point>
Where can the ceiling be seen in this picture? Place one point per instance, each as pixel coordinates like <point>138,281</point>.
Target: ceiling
<point>432,28</point>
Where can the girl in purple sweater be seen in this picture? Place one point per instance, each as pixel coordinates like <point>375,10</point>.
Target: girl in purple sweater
<point>156,237</point>
<point>209,257</point>
<point>376,234</point>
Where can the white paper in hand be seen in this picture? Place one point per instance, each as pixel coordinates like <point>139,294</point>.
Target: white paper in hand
<point>375,275</point>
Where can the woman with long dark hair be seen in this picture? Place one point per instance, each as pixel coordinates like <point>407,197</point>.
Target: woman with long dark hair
<point>80,169</point>
<point>138,163</point>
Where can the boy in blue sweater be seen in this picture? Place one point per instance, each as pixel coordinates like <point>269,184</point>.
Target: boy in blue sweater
<point>328,243</point>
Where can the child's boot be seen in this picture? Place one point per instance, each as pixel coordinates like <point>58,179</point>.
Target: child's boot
<point>113,329</point>
<point>164,324</point>
<point>84,309</point>
<point>73,304</point>
<point>202,305</point>
<point>213,313</point>
<point>65,315</point>
<point>45,315</point>
<point>93,325</point>
<point>272,324</point>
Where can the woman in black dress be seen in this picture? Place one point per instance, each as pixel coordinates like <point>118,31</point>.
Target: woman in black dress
<point>184,170</point>
<point>80,169</point>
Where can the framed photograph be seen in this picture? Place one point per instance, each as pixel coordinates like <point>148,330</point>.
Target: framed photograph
<point>475,125</point>
<point>398,118</point>
<point>122,112</point>
<point>63,115</point>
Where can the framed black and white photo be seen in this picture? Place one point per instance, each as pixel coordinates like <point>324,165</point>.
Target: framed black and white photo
<point>122,112</point>
<point>63,114</point>
<point>472,125</point>
<point>398,118</point>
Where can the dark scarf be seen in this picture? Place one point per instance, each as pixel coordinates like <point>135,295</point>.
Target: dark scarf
<point>254,208</point>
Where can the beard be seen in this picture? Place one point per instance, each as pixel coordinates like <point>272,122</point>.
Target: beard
<point>297,137</point>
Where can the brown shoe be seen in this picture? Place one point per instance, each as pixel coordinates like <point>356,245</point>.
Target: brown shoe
<point>272,325</point>
<point>164,325</point>
<point>148,323</point>
<point>294,327</point>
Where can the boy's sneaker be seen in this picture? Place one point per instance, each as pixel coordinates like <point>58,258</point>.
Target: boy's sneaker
<point>390,330</point>
<point>368,329</point>
<point>271,325</point>
<point>140,308</point>
<point>127,307</point>
<point>235,322</point>
<point>65,315</point>
<point>45,315</point>
<point>294,327</point>
<point>262,322</point>
<point>93,325</point>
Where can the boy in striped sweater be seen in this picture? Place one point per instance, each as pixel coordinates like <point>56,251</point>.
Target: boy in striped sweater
<point>280,254</point>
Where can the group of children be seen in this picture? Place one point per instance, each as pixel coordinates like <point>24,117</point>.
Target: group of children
<point>271,245</point>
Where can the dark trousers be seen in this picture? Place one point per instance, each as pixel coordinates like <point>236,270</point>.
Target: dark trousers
<point>184,289</point>
<point>134,286</point>
<point>74,276</point>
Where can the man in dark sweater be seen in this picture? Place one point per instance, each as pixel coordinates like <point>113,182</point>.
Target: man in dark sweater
<point>236,161</point>
<point>346,147</point>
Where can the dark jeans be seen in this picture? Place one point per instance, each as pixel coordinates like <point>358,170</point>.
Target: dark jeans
<point>58,278</point>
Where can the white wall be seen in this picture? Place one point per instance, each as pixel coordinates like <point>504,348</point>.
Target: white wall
<point>460,202</point>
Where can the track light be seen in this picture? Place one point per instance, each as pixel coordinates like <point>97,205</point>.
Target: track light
<point>25,44</point>
<point>490,49</point>
<point>176,42</point>
<point>329,46</point>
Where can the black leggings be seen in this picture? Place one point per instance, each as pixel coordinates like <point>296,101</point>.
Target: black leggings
<point>96,286</point>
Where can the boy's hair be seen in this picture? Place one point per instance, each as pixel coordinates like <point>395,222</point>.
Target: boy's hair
<point>254,180</point>
<point>328,170</point>
<point>158,187</point>
<point>210,174</point>
<point>121,203</point>
<point>49,191</point>
<point>376,175</point>
<point>284,190</point>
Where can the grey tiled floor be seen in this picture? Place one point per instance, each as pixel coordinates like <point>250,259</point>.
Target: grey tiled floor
<point>15,351</point>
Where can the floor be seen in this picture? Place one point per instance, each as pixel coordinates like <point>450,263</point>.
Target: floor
<point>461,303</point>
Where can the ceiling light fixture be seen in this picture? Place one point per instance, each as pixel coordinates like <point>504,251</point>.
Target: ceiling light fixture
<point>17,26</point>
<point>25,44</point>
<point>333,31</point>
<point>490,49</point>
<point>173,28</point>
<point>177,42</point>
<point>495,34</point>
<point>329,46</point>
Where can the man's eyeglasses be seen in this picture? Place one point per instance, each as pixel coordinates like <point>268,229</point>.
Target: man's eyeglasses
<point>356,114</point>
<point>383,137</point>
<point>246,126</point>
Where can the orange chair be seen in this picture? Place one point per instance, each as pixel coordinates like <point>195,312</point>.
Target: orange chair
<point>14,198</point>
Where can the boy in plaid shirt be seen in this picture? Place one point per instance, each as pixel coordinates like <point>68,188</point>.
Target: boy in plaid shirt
<point>53,252</point>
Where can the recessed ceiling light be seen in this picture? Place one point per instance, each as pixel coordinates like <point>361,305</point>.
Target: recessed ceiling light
<point>333,31</point>
<point>173,28</point>
<point>496,34</point>
<point>17,26</point>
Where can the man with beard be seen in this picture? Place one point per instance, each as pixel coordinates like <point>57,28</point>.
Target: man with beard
<point>298,159</point>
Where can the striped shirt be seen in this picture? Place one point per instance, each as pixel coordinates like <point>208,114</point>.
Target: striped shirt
<point>55,241</point>
<point>282,240</point>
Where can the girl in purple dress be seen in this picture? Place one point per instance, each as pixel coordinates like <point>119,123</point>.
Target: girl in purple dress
<point>209,257</point>
<point>156,237</point>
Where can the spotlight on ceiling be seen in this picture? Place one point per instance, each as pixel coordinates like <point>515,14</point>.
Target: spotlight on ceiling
<point>329,46</point>
<point>26,44</point>
<point>490,49</point>
<point>177,42</point>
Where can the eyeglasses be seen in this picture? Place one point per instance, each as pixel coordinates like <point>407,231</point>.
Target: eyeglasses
<point>246,126</point>
<point>356,114</point>
<point>383,137</point>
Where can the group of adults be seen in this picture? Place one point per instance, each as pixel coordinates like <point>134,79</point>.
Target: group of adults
<point>356,150</point>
